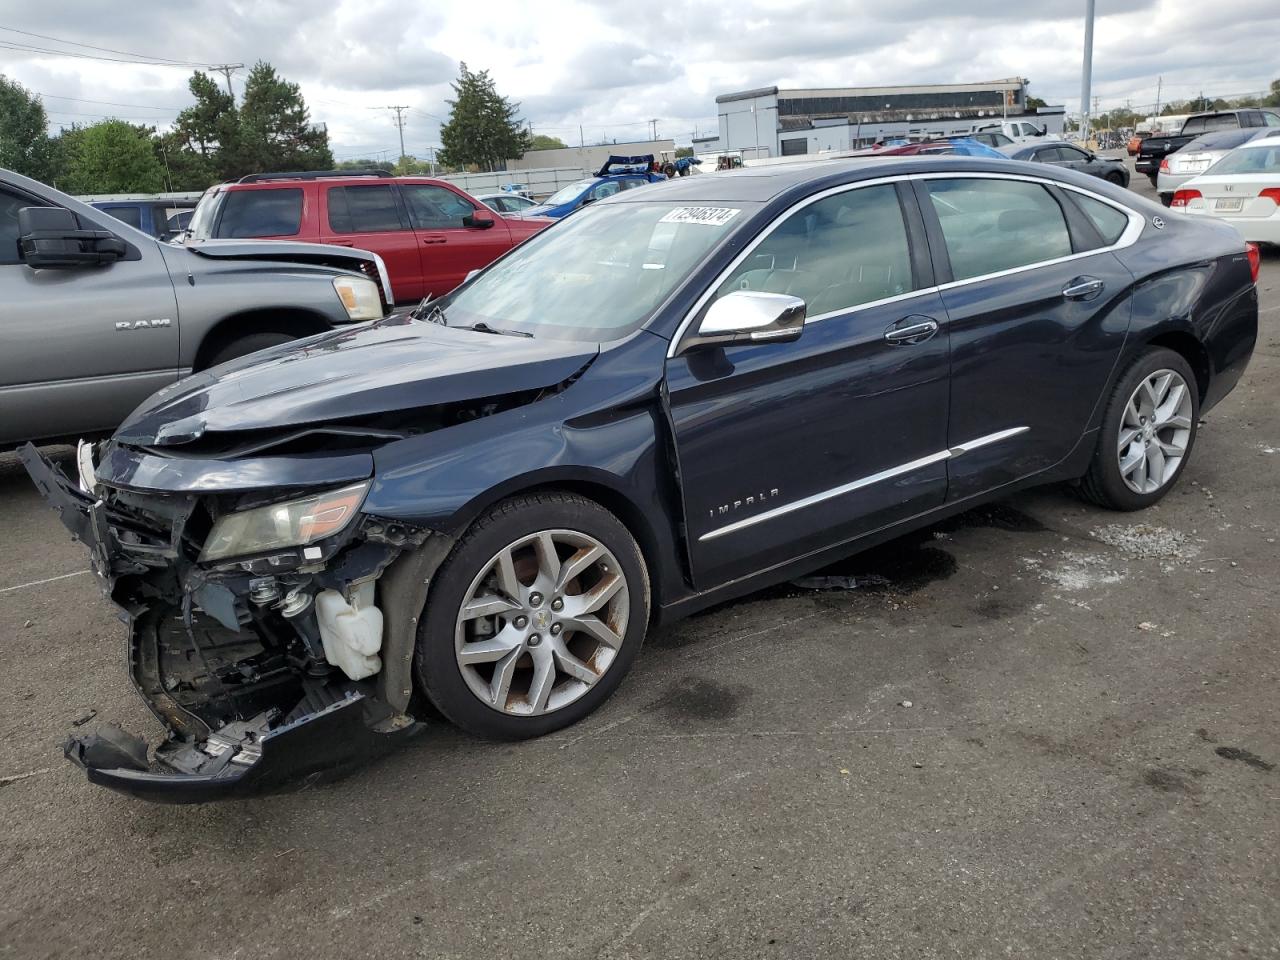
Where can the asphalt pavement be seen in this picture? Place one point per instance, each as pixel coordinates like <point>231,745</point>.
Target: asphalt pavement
<point>1041,730</point>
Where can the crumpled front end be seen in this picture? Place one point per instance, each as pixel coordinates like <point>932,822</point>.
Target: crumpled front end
<point>266,668</point>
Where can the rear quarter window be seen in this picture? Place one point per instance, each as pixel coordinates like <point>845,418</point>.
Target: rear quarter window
<point>130,215</point>
<point>261,213</point>
<point>1109,221</point>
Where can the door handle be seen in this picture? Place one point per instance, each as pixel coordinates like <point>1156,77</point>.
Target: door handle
<point>911,330</point>
<point>1083,288</point>
<point>435,238</point>
<point>342,243</point>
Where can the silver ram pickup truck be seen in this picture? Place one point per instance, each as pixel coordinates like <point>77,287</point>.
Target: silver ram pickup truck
<point>97,316</point>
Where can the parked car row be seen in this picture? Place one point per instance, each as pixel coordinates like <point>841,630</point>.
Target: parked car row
<point>483,505</point>
<point>1153,150</point>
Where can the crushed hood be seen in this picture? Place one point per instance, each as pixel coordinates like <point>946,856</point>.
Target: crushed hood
<point>389,365</point>
<point>293,251</point>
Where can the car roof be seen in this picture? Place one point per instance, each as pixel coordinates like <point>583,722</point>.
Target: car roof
<point>763,183</point>
<point>1264,141</point>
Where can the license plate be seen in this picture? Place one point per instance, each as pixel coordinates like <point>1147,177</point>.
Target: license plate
<point>1196,164</point>
<point>1235,204</point>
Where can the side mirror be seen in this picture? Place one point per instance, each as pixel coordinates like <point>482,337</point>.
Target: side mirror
<point>479,219</point>
<point>750,316</point>
<point>51,238</point>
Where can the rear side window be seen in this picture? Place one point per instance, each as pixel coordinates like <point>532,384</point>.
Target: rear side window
<point>261,213</point>
<point>844,250</point>
<point>1111,223</point>
<point>371,209</point>
<point>130,215</point>
<point>995,225</point>
<point>1270,119</point>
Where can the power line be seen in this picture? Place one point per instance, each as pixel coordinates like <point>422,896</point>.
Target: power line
<point>90,46</point>
<point>104,103</point>
<point>399,109</point>
<point>27,48</point>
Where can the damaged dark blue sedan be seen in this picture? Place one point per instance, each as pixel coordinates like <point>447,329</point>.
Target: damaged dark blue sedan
<point>672,398</point>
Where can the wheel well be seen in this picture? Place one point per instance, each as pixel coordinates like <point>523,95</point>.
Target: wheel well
<point>293,322</point>
<point>1192,350</point>
<point>627,512</point>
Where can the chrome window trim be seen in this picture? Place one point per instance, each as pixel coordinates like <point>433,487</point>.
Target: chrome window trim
<point>1127,239</point>
<point>889,474</point>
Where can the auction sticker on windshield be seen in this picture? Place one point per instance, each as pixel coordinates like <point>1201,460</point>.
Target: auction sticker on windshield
<point>709,216</point>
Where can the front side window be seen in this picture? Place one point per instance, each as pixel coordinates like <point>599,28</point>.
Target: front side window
<point>995,225</point>
<point>1270,119</point>
<point>260,213</point>
<point>437,208</point>
<point>844,250</point>
<point>364,209</point>
<point>597,275</point>
<point>10,204</point>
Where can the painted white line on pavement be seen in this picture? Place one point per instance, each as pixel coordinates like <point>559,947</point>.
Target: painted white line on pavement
<point>36,583</point>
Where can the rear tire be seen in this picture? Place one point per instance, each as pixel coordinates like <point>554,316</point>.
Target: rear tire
<point>1147,433</point>
<point>248,344</point>
<point>1116,178</point>
<point>514,645</point>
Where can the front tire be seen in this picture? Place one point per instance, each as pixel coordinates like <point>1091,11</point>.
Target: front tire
<point>534,618</point>
<point>1148,430</point>
<point>246,345</point>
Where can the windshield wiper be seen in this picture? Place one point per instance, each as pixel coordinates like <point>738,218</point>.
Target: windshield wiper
<point>482,327</point>
<point>433,315</point>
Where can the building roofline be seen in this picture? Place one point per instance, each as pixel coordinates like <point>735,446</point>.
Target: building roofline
<point>746,94</point>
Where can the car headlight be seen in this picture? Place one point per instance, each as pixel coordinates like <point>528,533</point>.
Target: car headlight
<point>359,295</point>
<point>294,523</point>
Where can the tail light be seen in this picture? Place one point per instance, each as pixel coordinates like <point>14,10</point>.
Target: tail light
<point>1182,197</point>
<point>1254,253</point>
<point>1164,165</point>
<point>1272,194</point>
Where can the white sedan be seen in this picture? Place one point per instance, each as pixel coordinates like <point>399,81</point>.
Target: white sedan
<point>1243,188</point>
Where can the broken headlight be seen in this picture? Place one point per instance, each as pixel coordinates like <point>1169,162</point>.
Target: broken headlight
<point>359,295</point>
<point>294,523</point>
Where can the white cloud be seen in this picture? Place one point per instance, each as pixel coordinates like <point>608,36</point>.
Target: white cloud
<point>610,66</point>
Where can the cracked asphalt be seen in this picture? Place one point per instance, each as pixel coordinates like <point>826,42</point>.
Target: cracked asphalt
<point>1087,767</point>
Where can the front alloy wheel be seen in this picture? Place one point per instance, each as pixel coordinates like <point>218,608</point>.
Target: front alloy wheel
<point>542,623</point>
<point>534,618</point>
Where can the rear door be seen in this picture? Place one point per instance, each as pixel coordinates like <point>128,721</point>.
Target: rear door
<point>371,216</point>
<point>1038,308</point>
<point>449,249</point>
<point>787,448</point>
<point>80,348</point>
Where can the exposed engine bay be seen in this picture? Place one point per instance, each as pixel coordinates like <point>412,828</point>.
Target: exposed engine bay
<point>239,657</point>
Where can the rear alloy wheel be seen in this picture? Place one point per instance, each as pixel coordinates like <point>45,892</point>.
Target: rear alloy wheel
<point>1147,433</point>
<point>535,617</point>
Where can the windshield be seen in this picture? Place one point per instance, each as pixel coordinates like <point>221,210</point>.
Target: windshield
<point>1248,160</point>
<point>565,194</point>
<point>201,225</point>
<point>597,275</point>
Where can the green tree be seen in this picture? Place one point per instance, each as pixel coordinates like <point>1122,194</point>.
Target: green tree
<point>1272,99</point>
<point>684,152</point>
<point>276,132</point>
<point>1034,103</point>
<point>364,165</point>
<point>543,142</point>
<point>484,128</point>
<point>113,157</point>
<point>204,144</point>
<point>25,146</point>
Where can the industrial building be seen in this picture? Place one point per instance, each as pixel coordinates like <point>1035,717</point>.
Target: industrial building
<point>772,122</point>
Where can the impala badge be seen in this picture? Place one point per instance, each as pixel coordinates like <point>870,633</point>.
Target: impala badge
<point>143,324</point>
<point>726,508</point>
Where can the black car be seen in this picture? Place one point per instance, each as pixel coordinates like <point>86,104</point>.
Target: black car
<point>670,399</point>
<point>1070,157</point>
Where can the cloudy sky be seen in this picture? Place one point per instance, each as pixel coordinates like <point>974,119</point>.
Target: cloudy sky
<point>611,67</point>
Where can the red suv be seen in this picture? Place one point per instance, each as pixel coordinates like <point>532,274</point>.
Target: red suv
<point>428,232</point>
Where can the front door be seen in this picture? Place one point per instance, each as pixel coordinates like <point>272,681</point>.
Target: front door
<point>1038,309</point>
<point>787,448</point>
<point>80,347</point>
<point>371,217</point>
<point>448,249</point>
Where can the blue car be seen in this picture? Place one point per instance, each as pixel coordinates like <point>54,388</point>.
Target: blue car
<point>617,174</point>
<point>163,219</point>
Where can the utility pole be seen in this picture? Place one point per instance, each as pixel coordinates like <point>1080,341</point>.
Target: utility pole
<point>1086,74</point>
<point>654,125</point>
<point>1159,85</point>
<point>226,70</point>
<point>399,109</point>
